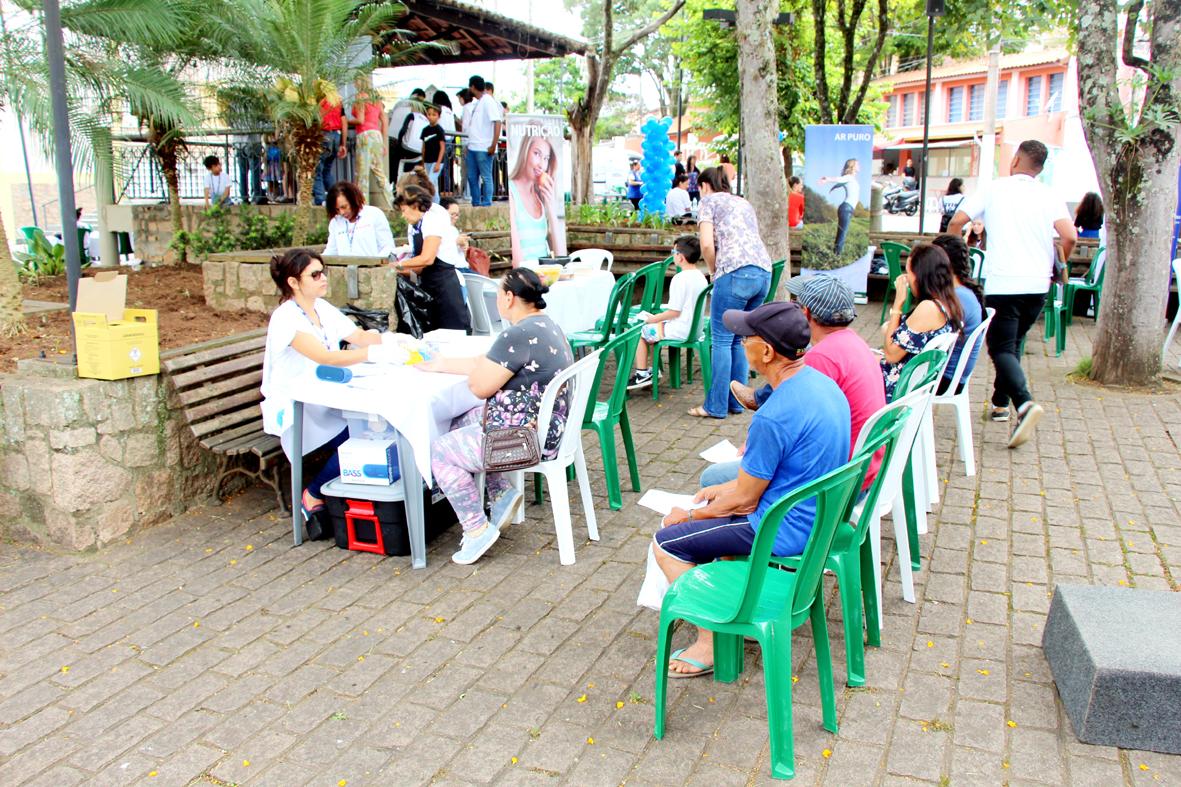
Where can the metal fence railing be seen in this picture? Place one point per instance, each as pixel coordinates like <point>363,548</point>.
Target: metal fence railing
<point>255,171</point>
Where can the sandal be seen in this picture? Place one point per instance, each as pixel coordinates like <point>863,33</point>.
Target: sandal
<point>702,669</point>
<point>699,412</point>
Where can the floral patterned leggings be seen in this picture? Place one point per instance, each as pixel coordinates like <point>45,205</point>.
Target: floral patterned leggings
<point>456,458</point>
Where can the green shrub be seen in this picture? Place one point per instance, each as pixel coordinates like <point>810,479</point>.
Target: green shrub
<point>245,228</point>
<point>42,259</point>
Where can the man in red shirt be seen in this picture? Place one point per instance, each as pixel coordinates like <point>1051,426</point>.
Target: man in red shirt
<point>795,203</point>
<point>837,351</point>
<point>335,126</point>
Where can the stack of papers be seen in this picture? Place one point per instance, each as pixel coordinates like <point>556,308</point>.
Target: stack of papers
<point>663,502</point>
<point>722,452</point>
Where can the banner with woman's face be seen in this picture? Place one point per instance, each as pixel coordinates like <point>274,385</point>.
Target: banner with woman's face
<point>538,179</point>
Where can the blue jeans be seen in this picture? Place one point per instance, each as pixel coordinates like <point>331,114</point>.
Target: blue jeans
<point>434,179</point>
<point>249,172</point>
<point>326,170</point>
<point>331,468</point>
<point>479,176</point>
<point>844,216</point>
<point>743,289</point>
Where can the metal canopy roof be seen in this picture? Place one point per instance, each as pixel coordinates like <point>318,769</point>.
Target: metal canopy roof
<point>478,34</point>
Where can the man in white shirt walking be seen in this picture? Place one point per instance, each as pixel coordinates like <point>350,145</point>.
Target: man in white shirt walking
<point>1020,215</point>
<point>483,134</point>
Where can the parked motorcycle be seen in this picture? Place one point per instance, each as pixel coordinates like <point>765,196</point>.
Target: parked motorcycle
<point>901,199</point>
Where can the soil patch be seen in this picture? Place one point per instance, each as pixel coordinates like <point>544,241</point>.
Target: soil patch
<point>175,291</point>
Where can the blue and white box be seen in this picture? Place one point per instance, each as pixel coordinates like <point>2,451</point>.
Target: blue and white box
<point>373,462</point>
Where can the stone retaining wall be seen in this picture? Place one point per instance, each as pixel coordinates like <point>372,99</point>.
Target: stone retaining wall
<point>242,280</point>
<point>84,462</point>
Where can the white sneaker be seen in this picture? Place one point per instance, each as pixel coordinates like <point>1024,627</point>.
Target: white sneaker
<point>504,507</point>
<point>472,549</point>
<point>1027,418</point>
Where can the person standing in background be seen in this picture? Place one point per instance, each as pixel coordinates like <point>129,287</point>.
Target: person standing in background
<point>678,167</point>
<point>691,171</point>
<point>951,202</point>
<point>467,104</point>
<point>335,128</point>
<point>448,121</point>
<point>403,126</point>
<point>731,173</point>
<point>1088,218</point>
<point>634,183</point>
<point>486,123</point>
<point>372,137</point>
<point>434,145</point>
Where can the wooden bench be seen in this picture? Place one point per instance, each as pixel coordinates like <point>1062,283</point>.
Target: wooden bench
<point>216,385</point>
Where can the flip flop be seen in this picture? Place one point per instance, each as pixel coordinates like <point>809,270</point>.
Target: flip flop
<point>699,412</point>
<point>702,669</point>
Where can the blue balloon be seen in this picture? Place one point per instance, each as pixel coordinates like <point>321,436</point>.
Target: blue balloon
<point>658,165</point>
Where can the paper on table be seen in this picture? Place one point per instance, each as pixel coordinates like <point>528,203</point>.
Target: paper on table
<point>662,502</point>
<point>722,452</point>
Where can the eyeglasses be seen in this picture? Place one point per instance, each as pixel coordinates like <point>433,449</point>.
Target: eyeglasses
<point>320,274</point>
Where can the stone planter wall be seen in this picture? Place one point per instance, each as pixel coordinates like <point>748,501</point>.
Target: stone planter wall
<point>242,280</point>
<point>84,462</point>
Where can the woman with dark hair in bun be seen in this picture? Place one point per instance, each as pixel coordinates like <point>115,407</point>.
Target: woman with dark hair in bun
<point>512,378</point>
<point>437,257</point>
<point>305,331</point>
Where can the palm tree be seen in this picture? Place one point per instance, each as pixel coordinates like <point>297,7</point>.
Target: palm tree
<point>311,48</point>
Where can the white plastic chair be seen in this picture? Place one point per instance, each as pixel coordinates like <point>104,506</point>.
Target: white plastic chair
<point>1176,318</point>
<point>960,401</point>
<point>599,259</point>
<point>890,500</point>
<point>581,376</point>
<point>481,303</point>
<point>926,474</point>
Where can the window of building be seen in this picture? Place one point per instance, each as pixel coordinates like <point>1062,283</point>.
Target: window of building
<point>1033,96</point>
<point>955,104</point>
<point>892,112</point>
<point>976,102</point>
<point>1054,101</point>
<point>950,162</point>
<point>1002,99</point>
<point>908,109</point>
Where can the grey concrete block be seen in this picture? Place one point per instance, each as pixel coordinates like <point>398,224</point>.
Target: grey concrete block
<point>1115,654</point>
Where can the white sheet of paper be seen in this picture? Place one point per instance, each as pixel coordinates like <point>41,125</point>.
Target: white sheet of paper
<point>662,502</point>
<point>643,315</point>
<point>722,452</point>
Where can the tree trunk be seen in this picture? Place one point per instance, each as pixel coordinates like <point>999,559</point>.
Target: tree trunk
<point>167,144</point>
<point>172,178</point>
<point>766,186</point>
<point>582,181</point>
<point>1138,180</point>
<point>12,317</point>
<point>307,142</point>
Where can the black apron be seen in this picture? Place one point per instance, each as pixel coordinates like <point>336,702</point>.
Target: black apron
<point>441,281</point>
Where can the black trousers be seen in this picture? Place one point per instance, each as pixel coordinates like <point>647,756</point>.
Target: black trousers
<point>1015,315</point>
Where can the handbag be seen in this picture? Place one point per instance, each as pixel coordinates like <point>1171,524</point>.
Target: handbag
<point>478,260</point>
<point>509,448</point>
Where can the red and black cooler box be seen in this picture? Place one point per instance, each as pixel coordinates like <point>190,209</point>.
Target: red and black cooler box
<point>373,518</point>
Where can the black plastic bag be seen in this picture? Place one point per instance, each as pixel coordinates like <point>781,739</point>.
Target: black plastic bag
<point>414,308</point>
<point>368,319</point>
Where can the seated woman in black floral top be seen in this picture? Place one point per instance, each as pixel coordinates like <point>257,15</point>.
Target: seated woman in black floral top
<point>512,377</point>
<point>929,279</point>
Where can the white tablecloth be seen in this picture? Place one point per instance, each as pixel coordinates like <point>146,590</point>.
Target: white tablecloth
<point>418,404</point>
<point>577,304</point>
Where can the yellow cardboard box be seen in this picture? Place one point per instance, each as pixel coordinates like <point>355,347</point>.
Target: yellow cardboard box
<point>113,342</point>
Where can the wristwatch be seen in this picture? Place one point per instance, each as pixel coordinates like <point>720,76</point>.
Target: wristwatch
<point>690,513</point>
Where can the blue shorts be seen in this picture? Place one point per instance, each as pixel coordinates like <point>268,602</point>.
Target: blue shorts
<point>701,541</point>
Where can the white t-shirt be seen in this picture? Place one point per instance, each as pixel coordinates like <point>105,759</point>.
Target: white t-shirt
<point>487,112</point>
<point>1019,214</point>
<point>465,115</point>
<point>283,367</point>
<point>682,296</point>
<point>447,119</point>
<point>368,236</point>
<point>436,222</point>
<point>676,203</point>
<point>398,116</point>
<point>852,189</point>
<point>216,184</point>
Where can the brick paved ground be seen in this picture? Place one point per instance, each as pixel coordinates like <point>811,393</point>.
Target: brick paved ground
<point>208,650</point>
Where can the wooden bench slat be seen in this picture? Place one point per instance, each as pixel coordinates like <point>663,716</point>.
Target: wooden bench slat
<point>215,441</point>
<point>267,448</point>
<point>194,396</point>
<point>208,373</point>
<point>242,346</point>
<point>222,422</point>
<point>227,404</point>
<point>244,444</point>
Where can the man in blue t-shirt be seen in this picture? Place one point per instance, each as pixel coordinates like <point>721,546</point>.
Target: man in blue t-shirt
<point>788,445</point>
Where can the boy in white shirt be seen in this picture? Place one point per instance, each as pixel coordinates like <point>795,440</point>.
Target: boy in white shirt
<point>675,321</point>
<point>217,183</point>
<point>677,206</point>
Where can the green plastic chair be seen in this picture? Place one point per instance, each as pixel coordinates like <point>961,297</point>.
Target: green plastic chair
<point>894,253</point>
<point>851,556</point>
<point>747,598</point>
<point>1092,284</point>
<point>614,321</point>
<point>1054,314</point>
<point>698,340</point>
<point>776,274</point>
<point>603,417</point>
<point>651,279</point>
